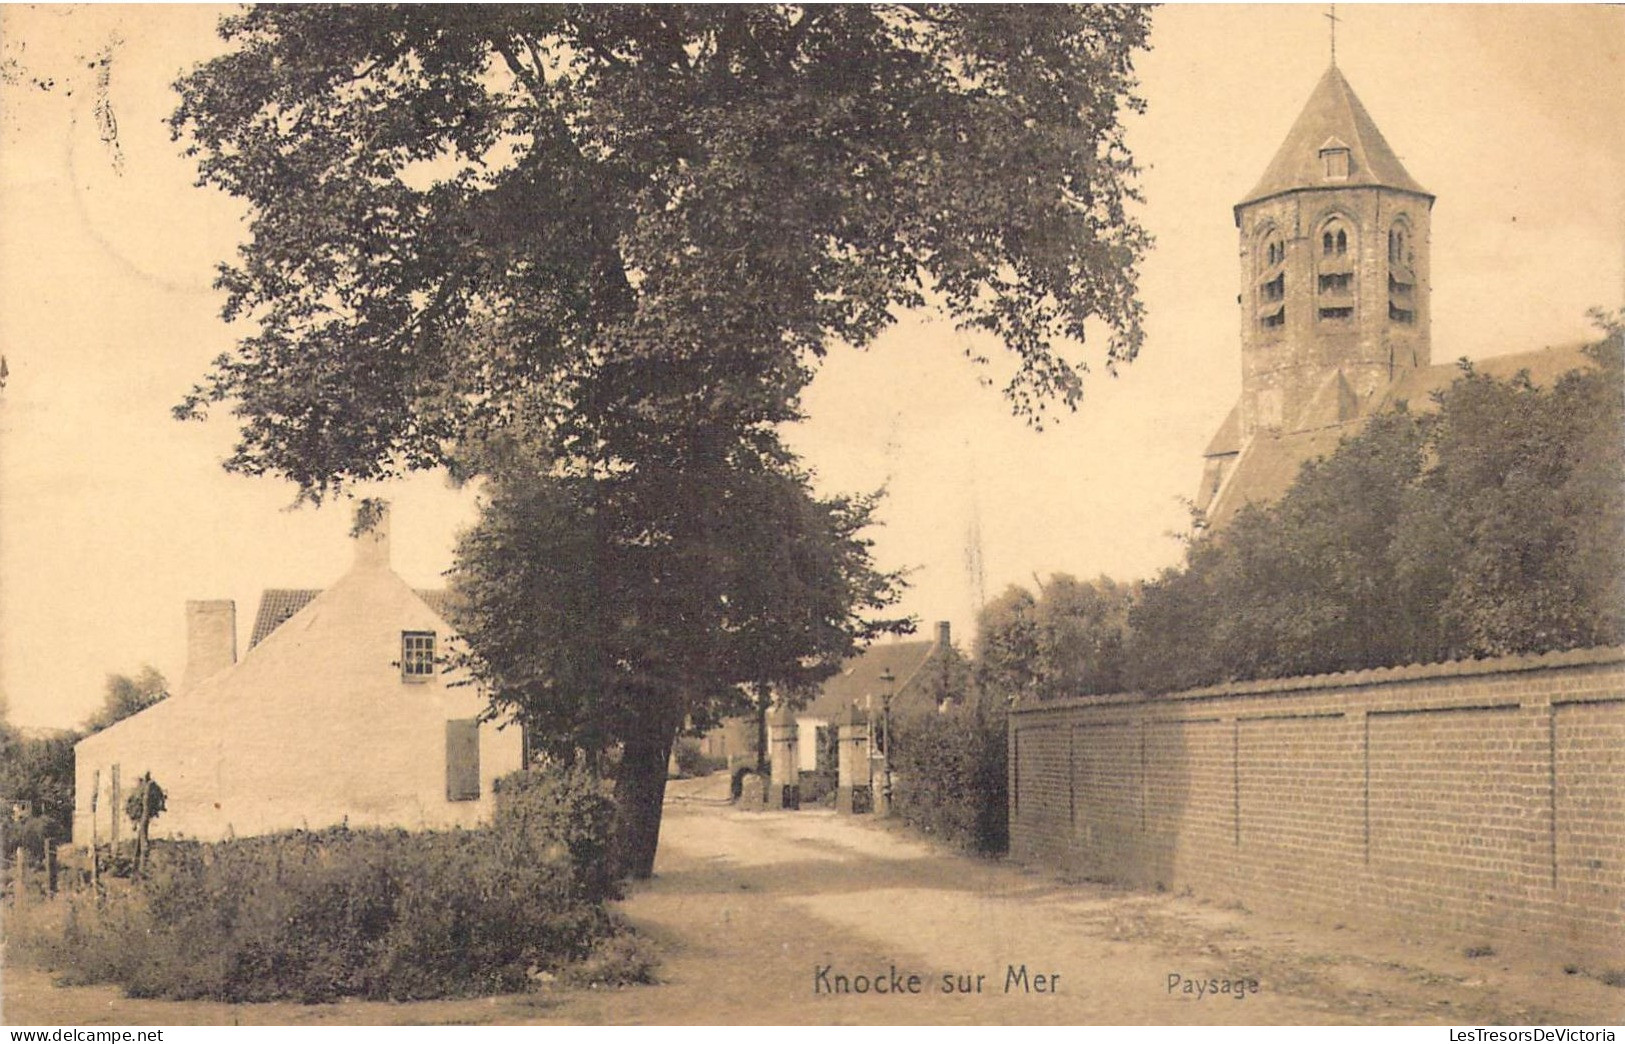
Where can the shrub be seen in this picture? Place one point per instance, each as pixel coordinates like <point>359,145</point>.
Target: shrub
<point>950,775</point>
<point>692,761</point>
<point>620,959</point>
<point>381,914</point>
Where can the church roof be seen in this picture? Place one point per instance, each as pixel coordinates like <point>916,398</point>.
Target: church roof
<point>1332,118</point>
<point>1227,439</point>
<point>1269,462</point>
<point>1415,388</point>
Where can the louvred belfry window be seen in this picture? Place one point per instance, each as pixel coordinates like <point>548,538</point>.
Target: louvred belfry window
<point>1335,272</point>
<point>1272,283</point>
<point>1401,275</point>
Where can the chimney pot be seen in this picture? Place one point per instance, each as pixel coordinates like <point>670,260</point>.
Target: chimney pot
<point>371,533</point>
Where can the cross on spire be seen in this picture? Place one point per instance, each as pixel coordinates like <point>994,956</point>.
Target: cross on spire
<point>1331,16</point>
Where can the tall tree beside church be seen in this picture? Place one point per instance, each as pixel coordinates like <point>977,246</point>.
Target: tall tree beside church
<point>1493,525</point>
<point>638,228</point>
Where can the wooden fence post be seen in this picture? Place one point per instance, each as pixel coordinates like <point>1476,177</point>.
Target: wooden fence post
<point>95,845</point>
<point>19,880</point>
<point>114,801</point>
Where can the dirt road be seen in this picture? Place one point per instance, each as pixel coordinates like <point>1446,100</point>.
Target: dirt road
<point>784,917</point>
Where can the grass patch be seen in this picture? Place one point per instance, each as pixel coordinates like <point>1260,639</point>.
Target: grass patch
<point>1480,950</point>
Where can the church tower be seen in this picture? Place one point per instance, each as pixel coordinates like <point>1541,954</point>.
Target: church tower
<point>1334,272</point>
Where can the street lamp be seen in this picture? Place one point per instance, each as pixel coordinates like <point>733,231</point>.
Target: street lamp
<point>886,679</point>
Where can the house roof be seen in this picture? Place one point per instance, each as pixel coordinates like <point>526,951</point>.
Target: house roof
<point>278,604</point>
<point>1332,118</point>
<point>859,677</point>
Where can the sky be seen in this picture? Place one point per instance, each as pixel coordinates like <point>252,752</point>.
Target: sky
<point>112,514</point>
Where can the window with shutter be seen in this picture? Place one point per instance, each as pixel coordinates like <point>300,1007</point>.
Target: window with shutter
<point>463,760</point>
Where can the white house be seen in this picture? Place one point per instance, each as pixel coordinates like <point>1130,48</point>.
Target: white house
<point>337,713</point>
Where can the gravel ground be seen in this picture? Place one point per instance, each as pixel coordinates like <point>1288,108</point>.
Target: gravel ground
<point>760,916</point>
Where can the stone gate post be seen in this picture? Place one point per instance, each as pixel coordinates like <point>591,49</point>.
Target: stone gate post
<point>785,790</point>
<point>853,790</point>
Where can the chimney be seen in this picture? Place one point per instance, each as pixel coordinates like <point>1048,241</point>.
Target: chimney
<point>371,533</point>
<point>211,640</point>
<point>943,636</point>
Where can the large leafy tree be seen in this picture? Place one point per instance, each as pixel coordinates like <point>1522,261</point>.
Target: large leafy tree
<point>632,231</point>
<point>652,214</point>
<point>616,611</point>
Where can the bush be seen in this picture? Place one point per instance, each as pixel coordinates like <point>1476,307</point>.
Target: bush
<point>950,776</point>
<point>380,914</point>
<point>692,761</point>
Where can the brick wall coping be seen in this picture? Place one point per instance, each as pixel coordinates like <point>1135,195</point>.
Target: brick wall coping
<point>1598,655</point>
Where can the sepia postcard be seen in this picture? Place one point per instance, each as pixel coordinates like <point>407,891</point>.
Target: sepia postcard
<point>803,515</point>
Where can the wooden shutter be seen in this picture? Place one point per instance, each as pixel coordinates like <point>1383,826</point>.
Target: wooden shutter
<point>463,760</point>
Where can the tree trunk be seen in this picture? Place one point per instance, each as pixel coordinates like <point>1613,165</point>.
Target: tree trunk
<point>640,790</point>
<point>761,733</point>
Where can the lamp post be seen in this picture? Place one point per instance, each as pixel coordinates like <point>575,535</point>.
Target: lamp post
<point>886,679</point>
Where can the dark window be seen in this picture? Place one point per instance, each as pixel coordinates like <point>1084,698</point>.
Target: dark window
<point>1400,315</point>
<point>1275,318</point>
<point>1342,242</point>
<point>417,655</point>
<point>463,760</point>
<point>1337,282</point>
<point>1326,243</point>
<point>1275,289</point>
<point>1337,313</point>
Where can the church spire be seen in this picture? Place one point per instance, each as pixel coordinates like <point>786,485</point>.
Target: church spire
<point>1331,16</point>
<point>1332,122</point>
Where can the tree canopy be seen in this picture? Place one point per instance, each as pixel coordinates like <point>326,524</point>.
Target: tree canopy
<point>596,252</point>
<point>607,216</point>
<point>608,613</point>
<point>606,609</point>
<point>1067,641</point>
<point>123,695</point>
<point>1491,525</point>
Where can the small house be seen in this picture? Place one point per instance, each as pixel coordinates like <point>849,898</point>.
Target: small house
<point>341,711</point>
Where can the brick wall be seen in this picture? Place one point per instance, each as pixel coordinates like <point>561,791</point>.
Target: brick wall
<point>1483,797</point>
